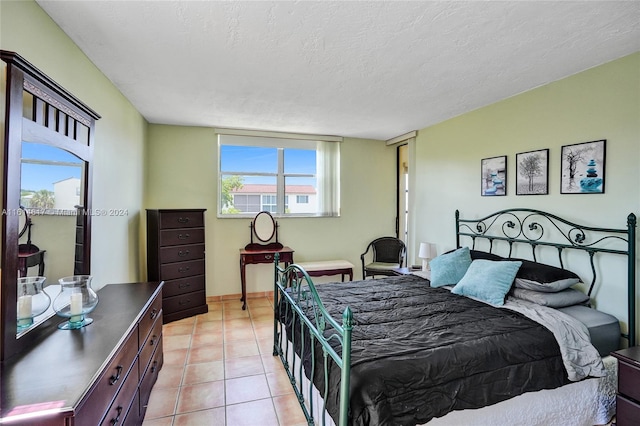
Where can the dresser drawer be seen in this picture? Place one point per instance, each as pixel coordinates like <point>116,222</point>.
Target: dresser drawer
<point>149,346</point>
<point>181,219</point>
<point>149,378</point>
<point>109,383</point>
<point>133,417</point>
<point>267,257</point>
<point>183,285</point>
<point>181,253</point>
<point>629,380</point>
<point>184,301</point>
<point>181,236</point>
<point>182,269</point>
<point>627,412</point>
<point>153,312</point>
<point>123,401</point>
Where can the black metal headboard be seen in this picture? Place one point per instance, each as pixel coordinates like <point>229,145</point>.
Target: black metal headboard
<point>527,226</point>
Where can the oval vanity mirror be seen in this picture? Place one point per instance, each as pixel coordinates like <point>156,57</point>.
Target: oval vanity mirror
<point>264,226</point>
<point>23,221</point>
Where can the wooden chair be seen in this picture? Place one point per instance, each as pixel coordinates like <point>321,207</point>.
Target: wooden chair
<point>388,253</point>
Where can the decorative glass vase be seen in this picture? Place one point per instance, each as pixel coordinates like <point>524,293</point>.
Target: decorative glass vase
<point>32,301</point>
<point>75,300</point>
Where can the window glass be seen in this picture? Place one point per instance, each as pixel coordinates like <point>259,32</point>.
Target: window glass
<point>260,173</point>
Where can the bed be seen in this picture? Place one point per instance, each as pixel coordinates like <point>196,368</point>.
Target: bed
<point>413,349</point>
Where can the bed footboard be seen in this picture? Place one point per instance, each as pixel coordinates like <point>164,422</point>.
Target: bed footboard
<point>317,336</point>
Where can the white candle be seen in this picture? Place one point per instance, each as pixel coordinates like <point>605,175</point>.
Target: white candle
<point>76,305</point>
<point>24,306</point>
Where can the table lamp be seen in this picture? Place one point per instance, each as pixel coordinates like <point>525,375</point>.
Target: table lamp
<point>426,252</point>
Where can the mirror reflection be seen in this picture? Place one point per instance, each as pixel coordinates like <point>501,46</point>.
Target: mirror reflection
<point>51,190</point>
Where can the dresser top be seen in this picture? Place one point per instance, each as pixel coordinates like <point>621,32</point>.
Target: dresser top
<point>59,369</point>
<point>175,210</point>
<point>629,355</point>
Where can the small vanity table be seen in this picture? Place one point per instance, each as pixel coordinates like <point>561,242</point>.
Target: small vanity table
<point>28,254</point>
<point>264,228</point>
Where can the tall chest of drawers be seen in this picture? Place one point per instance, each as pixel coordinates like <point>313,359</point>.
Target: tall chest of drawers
<point>176,255</point>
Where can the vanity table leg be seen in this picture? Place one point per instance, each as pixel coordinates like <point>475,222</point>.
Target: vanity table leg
<point>243,299</point>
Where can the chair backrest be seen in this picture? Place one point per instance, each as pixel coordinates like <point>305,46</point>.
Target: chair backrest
<point>388,250</point>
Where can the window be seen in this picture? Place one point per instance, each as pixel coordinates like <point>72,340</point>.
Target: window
<point>262,173</point>
<point>51,179</point>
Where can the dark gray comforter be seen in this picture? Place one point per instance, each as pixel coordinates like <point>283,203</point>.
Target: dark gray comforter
<point>420,352</point>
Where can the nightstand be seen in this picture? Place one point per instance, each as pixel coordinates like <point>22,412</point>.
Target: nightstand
<point>401,271</point>
<point>406,271</point>
<point>628,399</point>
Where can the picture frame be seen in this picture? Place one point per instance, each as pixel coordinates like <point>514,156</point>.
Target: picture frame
<point>493,176</point>
<point>532,172</point>
<point>582,168</point>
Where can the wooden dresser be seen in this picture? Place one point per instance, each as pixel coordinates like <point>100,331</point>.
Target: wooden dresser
<point>101,374</point>
<point>176,255</point>
<point>628,399</point>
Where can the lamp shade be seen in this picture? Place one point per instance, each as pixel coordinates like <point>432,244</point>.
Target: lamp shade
<point>426,251</point>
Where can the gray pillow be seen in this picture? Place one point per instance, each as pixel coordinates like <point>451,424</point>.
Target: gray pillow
<point>549,287</point>
<point>560,299</point>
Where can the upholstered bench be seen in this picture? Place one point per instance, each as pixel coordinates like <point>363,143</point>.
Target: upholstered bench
<point>328,267</point>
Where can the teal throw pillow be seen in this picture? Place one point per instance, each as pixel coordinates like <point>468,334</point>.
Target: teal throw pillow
<point>488,280</point>
<point>449,268</point>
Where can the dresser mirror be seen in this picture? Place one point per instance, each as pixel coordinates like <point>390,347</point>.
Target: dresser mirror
<point>47,151</point>
<point>264,228</point>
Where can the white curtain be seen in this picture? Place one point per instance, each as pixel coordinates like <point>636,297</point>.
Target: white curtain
<point>328,175</point>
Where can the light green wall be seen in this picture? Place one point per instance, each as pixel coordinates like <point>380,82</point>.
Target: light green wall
<point>182,173</point>
<point>119,156</point>
<point>600,103</point>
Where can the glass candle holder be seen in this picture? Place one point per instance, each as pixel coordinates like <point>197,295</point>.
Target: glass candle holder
<point>75,300</point>
<point>32,300</point>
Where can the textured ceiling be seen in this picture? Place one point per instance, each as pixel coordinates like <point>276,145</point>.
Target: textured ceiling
<point>370,69</point>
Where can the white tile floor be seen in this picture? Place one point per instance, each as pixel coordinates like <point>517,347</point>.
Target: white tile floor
<point>218,370</point>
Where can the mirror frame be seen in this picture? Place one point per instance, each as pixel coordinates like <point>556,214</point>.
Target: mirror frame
<point>56,115</point>
<point>257,229</point>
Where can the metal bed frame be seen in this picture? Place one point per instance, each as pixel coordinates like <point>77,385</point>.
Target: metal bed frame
<point>527,226</point>
<point>295,293</point>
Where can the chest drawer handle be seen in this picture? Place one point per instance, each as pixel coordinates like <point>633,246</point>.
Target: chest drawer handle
<point>183,236</point>
<point>154,313</point>
<point>152,341</point>
<point>114,379</point>
<point>186,302</point>
<point>185,285</point>
<point>183,253</point>
<point>154,366</point>
<point>115,421</point>
<point>267,256</point>
<point>184,269</point>
<point>183,220</point>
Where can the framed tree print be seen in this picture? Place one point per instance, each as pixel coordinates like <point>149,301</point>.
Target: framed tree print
<point>494,176</point>
<point>532,172</point>
<point>583,168</point>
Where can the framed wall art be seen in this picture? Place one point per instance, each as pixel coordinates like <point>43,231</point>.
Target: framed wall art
<point>532,172</point>
<point>582,169</point>
<point>494,176</point>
